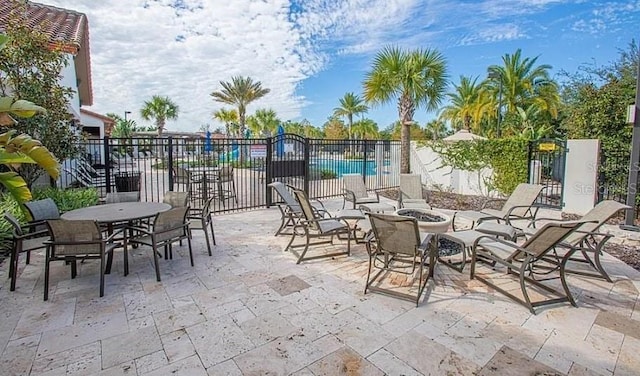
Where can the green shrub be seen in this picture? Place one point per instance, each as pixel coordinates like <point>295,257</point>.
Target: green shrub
<point>68,199</point>
<point>321,174</point>
<point>508,157</point>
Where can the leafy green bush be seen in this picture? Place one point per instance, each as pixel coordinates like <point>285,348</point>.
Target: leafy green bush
<point>321,174</point>
<point>508,157</point>
<point>68,199</point>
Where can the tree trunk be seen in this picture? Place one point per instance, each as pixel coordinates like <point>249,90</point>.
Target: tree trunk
<point>405,145</point>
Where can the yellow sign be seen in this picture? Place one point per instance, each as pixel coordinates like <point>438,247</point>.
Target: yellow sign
<point>547,146</point>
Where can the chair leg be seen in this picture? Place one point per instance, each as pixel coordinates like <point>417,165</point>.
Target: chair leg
<point>74,268</point>
<point>206,238</point>
<point>213,235</point>
<point>154,248</point>
<point>46,273</point>
<point>191,251</point>
<point>13,267</point>
<point>102,266</point>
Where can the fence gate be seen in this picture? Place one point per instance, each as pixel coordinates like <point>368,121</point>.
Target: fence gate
<point>287,162</point>
<point>547,159</point>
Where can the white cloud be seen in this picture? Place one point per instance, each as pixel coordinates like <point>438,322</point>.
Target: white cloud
<point>184,48</point>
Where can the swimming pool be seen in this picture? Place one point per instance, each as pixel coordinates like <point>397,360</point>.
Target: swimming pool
<point>345,166</point>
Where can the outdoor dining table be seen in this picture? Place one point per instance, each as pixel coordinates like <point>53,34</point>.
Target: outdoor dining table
<point>209,175</point>
<point>118,213</point>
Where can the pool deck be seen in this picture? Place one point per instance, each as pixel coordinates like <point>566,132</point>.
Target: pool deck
<point>250,310</point>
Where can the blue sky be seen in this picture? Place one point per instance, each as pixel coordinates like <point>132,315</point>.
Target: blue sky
<point>311,52</point>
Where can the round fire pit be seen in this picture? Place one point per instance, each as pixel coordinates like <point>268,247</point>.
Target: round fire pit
<point>428,220</point>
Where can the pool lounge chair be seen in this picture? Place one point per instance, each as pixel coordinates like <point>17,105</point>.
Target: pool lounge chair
<point>290,211</point>
<point>410,192</point>
<point>355,191</point>
<point>520,260</point>
<point>519,206</point>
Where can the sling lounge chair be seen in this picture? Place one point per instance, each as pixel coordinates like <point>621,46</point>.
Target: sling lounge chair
<point>290,210</point>
<point>355,191</point>
<point>410,193</point>
<point>521,260</point>
<point>586,243</point>
<point>519,206</point>
<point>314,226</point>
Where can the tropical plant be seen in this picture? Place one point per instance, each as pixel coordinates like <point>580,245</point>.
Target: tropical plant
<point>30,68</point>
<point>435,129</point>
<point>263,123</point>
<point>350,105</point>
<point>159,109</point>
<point>414,78</point>
<point>365,129</point>
<point>18,149</point>
<point>240,92</point>
<point>334,129</point>
<point>464,110</point>
<point>124,128</point>
<point>230,120</point>
<point>522,84</point>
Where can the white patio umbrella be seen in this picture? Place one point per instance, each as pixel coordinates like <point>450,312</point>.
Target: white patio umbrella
<point>463,135</point>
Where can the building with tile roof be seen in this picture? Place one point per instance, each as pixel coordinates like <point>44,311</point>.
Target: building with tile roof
<point>68,30</point>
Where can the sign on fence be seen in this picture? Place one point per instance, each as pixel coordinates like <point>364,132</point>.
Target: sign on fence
<point>258,151</point>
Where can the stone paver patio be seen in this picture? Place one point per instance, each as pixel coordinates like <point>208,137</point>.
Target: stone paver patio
<point>250,310</point>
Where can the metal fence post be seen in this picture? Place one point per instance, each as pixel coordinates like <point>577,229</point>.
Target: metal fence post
<point>306,165</point>
<point>268,159</point>
<point>170,162</point>
<point>364,159</point>
<point>107,164</point>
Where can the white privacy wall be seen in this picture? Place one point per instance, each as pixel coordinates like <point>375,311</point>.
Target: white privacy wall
<point>581,176</point>
<point>437,176</point>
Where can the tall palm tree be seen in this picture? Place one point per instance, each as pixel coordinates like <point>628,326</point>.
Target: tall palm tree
<point>414,78</point>
<point>524,84</point>
<point>229,118</point>
<point>263,121</point>
<point>240,92</point>
<point>365,128</point>
<point>463,104</point>
<point>159,109</point>
<point>350,105</point>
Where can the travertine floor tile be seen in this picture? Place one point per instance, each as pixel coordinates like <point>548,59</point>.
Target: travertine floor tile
<point>344,362</point>
<point>131,345</point>
<point>177,345</point>
<point>508,362</point>
<point>391,364</point>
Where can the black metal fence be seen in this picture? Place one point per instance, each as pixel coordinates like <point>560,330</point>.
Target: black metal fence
<point>613,175</point>
<point>235,171</point>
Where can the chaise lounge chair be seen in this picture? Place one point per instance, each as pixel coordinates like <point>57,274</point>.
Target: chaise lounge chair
<point>519,206</point>
<point>355,191</point>
<point>290,210</point>
<point>521,260</point>
<point>410,193</point>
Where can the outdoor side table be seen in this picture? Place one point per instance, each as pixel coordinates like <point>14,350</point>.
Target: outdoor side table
<point>352,216</point>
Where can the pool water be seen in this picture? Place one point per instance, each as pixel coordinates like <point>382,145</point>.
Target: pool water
<point>345,166</point>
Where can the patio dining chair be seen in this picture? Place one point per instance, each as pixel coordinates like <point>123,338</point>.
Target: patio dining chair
<point>192,182</point>
<point>40,211</point>
<point>411,192</point>
<point>77,239</point>
<point>23,240</point>
<point>586,243</point>
<point>117,197</point>
<point>355,191</point>
<point>290,211</point>
<point>225,185</point>
<point>167,228</point>
<point>314,226</point>
<point>395,247</point>
<point>176,199</point>
<point>204,222</point>
<point>519,206</point>
<point>521,260</point>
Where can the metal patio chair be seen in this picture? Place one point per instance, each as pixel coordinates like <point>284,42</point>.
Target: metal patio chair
<point>586,243</point>
<point>314,226</point>
<point>290,211</point>
<point>411,192</point>
<point>204,222</point>
<point>395,247</point>
<point>176,199</point>
<point>23,240</point>
<point>167,228</point>
<point>355,191</point>
<point>522,260</point>
<point>519,206</point>
<point>77,239</point>
<point>117,197</point>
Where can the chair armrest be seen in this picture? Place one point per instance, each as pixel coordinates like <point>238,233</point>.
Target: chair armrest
<point>530,208</point>
<point>349,195</point>
<point>31,235</point>
<point>484,205</point>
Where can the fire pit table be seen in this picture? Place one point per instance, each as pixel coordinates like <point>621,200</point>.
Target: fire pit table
<point>431,221</point>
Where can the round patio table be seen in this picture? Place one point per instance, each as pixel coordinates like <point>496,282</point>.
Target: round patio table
<point>110,214</point>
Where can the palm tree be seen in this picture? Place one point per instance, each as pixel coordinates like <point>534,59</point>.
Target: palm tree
<point>159,109</point>
<point>229,118</point>
<point>524,84</point>
<point>264,121</point>
<point>240,92</point>
<point>365,128</point>
<point>461,111</point>
<point>415,78</point>
<point>350,105</point>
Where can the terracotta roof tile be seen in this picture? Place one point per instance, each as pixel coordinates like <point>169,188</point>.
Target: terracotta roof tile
<point>67,29</point>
